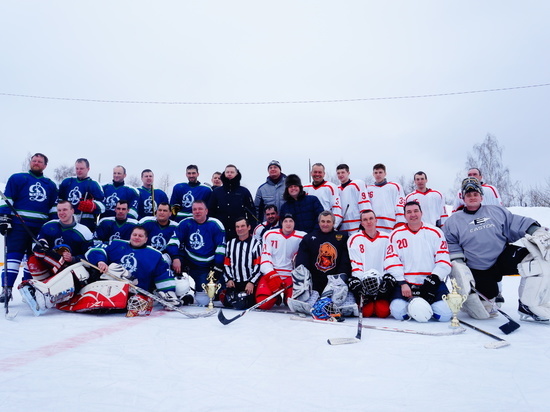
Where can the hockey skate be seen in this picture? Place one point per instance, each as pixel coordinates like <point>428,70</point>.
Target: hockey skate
<point>527,315</point>
<point>28,294</point>
<point>3,294</point>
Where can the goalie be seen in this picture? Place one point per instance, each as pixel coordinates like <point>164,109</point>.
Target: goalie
<point>479,238</point>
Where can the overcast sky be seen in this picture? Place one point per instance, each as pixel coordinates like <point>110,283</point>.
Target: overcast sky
<point>275,51</point>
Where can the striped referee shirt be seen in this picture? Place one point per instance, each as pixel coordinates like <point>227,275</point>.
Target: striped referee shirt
<point>242,260</point>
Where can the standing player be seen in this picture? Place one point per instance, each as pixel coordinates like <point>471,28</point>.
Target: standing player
<point>271,191</point>
<point>387,200</point>
<point>431,201</point>
<point>303,208</point>
<point>353,199</point>
<point>367,251</point>
<point>490,193</point>
<point>148,200</point>
<point>160,227</point>
<point>418,258</point>
<point>272,222</point>
<point>119,191</point>
<point>33,195</point>
<point>184,194</point>
<point>118,227</point>
<point>326,192</point>
<point>85,194</point>
<point>278,251</point>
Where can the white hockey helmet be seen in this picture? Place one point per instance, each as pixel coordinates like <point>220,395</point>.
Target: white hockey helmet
<point>420,310</point>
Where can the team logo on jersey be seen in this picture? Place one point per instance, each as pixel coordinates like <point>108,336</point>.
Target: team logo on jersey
<point>37,193</point>
<point>158,242</point>
<point>187,199</point>
<point>111,201</point>
<point>148,205</point>
<point>196,240</point>
<point>129,262</point>
<point>326,259</point>
<point>74,196</point>
<point>480,221</point>
<point>114,236</point>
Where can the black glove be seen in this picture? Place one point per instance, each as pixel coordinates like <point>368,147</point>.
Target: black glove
<point>5,224</point>
<point>218,271</point>
<point>41,246</point>
<point>429,288</point>
<point>387,287</point>
<point>355,286</point>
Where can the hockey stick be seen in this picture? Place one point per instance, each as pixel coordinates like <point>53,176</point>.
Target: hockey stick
<point>226,321</point>
<point>383,328</point>
<point>153,296</point>
<point>357,339</point>
<point>507,328</point>
<point>500,344</point>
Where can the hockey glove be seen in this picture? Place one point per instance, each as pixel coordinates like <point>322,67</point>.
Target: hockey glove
<point>387,287</point>
<point>169,297</point>
<point>356,287</point>
<point>41,246</point>
<point>429,288</point>
<point>87,206</point>
<point>175,209</point>
<point>5,224</point>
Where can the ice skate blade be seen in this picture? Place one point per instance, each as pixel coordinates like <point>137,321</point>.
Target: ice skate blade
<point>529,318</point>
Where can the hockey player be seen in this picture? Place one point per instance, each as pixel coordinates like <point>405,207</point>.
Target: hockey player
<point>33,195</point>
<point>160,227</point>
<point>418,258</point>
<point>231,201</point>
<point>85,194</point>
<point>61,242</point>
<point>215,179</point>
<point>479,239</point>
<point>272,222</point>
<point>278,252</point>
<point>198,244</point>
<point>149,197</point>
<point>387,200</point>
<point>431,201</point>
<point>118,190</point>
<point>241,267</point>
<point>304,209</point>
<point>326,192</point>
<point>490,193</point>
<point>270,192</point>
<point>145,265</point>
<point>367,251</point>
<point>118,227</point>
<point>353,199</point>
<point>184,194</point>
<point>324,254</point>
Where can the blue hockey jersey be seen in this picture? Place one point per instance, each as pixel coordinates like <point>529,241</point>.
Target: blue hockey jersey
<point>118,191</point>
<point>158,235</point>
<point>145,202</point>
<point>184,194</point>
<point>110,228</point>
<point>77,236</point>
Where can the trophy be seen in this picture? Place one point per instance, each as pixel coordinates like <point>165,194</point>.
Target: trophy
<point>211,288</point>
<point>455,301</point>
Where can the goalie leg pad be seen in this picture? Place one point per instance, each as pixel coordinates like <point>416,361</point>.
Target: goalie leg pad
<point>472,306</point>
<point>349,306</point>
<point>301,283</point>
<point>300,306</point>
<point>336,289</point>
<point>534,293</point>
<point>100,296</point>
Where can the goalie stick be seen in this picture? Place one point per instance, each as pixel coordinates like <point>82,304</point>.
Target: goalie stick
<point>226,321</point>
<point>357,339</point>
<point>384,328</point>
<point>508,327</point>
<point>155,297</point>
<point>496,345</point>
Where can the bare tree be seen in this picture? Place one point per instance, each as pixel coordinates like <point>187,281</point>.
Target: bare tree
<point>133,181</point>
<point>61,172</point>
<point>26,163</point>
<point>540,197</point>
<point>164,182</point>
<point>407,184</point>
<point>487,157</point>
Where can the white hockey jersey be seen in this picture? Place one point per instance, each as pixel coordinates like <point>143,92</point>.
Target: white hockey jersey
<point>278,251</point>
<point>387,201</point>
<point>329,196</point>
<point>353,200</point>
<point>367,253</point>
<point>432,203</point>
<point>412,256</point>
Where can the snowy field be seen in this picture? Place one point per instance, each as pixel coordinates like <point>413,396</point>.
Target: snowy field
<point>267,362</point>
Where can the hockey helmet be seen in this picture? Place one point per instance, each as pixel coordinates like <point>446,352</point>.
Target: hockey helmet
<point>420,310</point>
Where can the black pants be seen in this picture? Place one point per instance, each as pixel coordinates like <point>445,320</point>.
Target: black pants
<point>506,264</point>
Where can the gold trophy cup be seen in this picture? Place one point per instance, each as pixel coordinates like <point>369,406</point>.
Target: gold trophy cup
<point>211,288</point>
<point>455,301</point>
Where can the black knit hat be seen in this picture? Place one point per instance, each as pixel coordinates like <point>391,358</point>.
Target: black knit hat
<point>293,180</point>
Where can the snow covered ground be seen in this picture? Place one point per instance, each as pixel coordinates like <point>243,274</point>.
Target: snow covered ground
<point>267,362</point>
